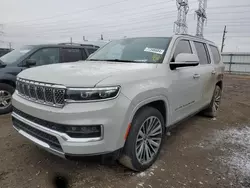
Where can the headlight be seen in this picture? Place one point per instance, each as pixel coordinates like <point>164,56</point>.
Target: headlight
<point>91,94</point>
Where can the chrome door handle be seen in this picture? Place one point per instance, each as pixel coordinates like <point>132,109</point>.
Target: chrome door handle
<point>213,72</point>
<point>196,76</point>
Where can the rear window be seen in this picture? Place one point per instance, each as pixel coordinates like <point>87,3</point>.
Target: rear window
<point>215,54</point>
<point>71,54</point>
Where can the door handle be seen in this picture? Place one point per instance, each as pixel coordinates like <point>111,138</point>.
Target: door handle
<point>196,76</point>
<point>214,72</point>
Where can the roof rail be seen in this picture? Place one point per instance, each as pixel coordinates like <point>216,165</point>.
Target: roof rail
<point>79,44</point>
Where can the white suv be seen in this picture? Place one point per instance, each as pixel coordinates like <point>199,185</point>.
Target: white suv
<point>121,100</point>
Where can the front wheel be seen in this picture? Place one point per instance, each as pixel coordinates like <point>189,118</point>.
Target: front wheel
<point>144,140</point>
<point>213,108</point>
<point>6,92</point>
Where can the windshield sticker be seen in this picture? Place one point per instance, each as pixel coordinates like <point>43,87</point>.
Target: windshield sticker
<point>154,50</point>
<point>156,57</point>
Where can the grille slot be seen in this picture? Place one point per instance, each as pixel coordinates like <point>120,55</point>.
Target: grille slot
<point>47,94</point>
<point>45,137</point>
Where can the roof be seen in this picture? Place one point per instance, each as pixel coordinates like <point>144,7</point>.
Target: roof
<point>66,44</point>
<point>194,37</point>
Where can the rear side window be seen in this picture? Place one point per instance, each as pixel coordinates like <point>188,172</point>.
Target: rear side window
<point>215,54</point>
<point>71,54</point>
<point>182,47</point>
<point>91,50</point>
<point>202,53</point>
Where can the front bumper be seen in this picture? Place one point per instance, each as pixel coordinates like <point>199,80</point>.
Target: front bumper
<point>111,115</point>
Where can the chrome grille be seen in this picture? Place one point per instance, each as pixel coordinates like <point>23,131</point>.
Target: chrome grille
<point>43,93</point>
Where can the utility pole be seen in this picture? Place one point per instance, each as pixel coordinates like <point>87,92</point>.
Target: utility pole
<point>223,38</point>
<point>180,26</point>
<point>71,40</point>
<point>201,17</point>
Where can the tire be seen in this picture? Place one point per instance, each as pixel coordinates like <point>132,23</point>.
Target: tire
<point>6,91</point>
<point>213,108</point>
<point>130,158</point>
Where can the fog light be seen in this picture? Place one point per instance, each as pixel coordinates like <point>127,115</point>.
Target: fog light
<point>92,131</point>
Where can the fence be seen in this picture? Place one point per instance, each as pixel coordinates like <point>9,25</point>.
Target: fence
<point>237,62</point>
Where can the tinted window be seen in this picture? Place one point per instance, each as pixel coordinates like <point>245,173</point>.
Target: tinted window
<point>46,56</point>
<point>215,54</point>
<point>91,50</point>
<point>136,50</point>
<point>71,54</point>
<point>182,47</point>
<point>202,53</point>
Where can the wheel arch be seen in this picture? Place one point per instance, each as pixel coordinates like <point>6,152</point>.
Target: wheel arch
<point>8,82</point>
<point>159,102</point>
<point>220,84</point>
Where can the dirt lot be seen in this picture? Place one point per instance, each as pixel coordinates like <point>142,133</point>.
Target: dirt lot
<point>201,152</point>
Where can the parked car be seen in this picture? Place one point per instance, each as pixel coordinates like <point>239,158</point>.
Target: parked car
<point>35,55</point>
<point>4,51</point>
<point>121,100</point>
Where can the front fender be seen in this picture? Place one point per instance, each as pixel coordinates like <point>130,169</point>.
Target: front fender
<point>149,100</point>
<point>8,77</point>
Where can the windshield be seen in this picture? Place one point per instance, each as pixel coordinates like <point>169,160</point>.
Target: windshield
<point>14,55</point>
<point>137,50</point>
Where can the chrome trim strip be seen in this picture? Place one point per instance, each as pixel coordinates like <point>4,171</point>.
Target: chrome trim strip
<point>39,142</point>
<point>36,100</point>
<point>56,133</point>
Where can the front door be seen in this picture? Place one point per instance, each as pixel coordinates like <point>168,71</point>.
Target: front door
<point>186,89</point>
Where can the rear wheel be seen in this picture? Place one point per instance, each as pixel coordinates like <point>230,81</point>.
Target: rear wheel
<point>144,140</point>
<point>213,108</point>
<point>6,92</point>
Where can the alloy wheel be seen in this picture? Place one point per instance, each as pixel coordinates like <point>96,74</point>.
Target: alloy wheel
<point>148,140</point>
<point>5,99</point>
<point>217,99</point>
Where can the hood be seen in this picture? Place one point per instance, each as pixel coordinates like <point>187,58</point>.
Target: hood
<point>81,74</point>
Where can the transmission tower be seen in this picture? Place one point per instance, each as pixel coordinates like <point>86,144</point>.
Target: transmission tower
<point>201,17</point>
<point>180,26</point>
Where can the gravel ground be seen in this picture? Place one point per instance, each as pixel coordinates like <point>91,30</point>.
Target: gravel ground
<point>200,152</point>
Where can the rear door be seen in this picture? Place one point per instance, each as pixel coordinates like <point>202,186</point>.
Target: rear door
<point>205,71</point>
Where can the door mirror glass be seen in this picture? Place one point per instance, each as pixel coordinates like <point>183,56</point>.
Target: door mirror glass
<point>185,60</point>
<point>30,62</point>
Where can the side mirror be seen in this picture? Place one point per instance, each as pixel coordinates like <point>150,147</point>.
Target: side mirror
<point>30,62</point>
<point>185,60</point>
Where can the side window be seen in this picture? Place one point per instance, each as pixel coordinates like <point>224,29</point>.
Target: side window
<point>84,54</point>
<point>182,47</point>
<point>91,50</point>
<point>46,56</point>
<point>215,54</point>
<point>202,53</point>
<point>71,54</point>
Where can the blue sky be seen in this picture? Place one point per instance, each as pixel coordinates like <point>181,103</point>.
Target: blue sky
<point>48,21</point>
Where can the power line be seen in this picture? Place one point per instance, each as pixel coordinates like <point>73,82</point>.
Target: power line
<point>79,11</point>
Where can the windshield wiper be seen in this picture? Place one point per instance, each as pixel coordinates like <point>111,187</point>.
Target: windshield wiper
<point>95,60</point>
<point>121,60</point>
<point>115,60</point>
